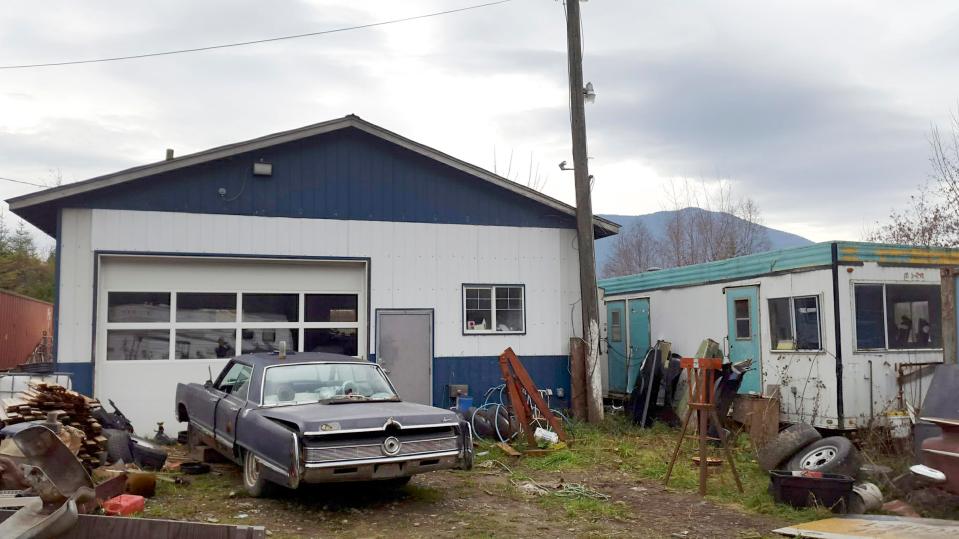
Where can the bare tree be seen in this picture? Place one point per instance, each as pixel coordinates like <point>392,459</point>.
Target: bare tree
<point>932,216</point>
<point>709,225</point>
<point>635,251</point>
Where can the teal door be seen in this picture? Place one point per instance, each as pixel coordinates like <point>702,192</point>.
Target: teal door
<point>638,339</point>
<point>742,314</point>
<point>616,345</point>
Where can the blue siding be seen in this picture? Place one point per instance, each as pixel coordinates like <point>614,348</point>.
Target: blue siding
<point>81,376</point>
<point>482,373</point>
<point>346,174</point>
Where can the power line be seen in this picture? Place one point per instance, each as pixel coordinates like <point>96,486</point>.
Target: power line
<point>256,41</point>
<point>23,182</point>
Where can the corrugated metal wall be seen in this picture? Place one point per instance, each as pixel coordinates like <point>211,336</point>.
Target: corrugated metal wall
<point>23,323</point>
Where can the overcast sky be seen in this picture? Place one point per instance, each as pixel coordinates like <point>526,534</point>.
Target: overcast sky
<point>819,111</point>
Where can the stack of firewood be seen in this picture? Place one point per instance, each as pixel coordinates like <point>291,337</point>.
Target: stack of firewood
<point>73,409</point>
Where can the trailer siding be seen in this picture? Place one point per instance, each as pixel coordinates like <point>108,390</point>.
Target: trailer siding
<point>23,323</point>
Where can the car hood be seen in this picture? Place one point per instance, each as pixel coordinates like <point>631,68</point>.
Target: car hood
<point>322,418</point>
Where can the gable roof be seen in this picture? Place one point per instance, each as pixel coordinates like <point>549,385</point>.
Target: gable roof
<point>805,258</point>
<point>26,204</point>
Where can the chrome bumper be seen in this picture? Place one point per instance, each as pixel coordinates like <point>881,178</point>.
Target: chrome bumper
<point>381,468</point>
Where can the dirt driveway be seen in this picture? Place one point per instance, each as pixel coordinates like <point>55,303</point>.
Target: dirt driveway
<point>612,490</point>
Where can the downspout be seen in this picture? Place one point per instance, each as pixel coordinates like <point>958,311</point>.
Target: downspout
<point>838,328</point>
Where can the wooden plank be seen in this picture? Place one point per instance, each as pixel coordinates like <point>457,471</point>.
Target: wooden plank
<point>508,449</point>
<point>103,527</point>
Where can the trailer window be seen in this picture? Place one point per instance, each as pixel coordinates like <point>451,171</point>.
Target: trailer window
<point>794,323</point>
<point>898,316</point>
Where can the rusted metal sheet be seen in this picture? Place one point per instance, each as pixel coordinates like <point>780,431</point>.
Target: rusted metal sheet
<point>102,527</point>
<point>876,526</point>
<point>24,322</point>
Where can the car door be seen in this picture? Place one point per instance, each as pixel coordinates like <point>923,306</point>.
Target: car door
<point>233,387</point>
<point>202,404</point>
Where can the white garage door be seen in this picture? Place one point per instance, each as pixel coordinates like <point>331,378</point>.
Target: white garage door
<point>164,320</point>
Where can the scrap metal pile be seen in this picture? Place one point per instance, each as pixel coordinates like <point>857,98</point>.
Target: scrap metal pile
<point>72,410</point>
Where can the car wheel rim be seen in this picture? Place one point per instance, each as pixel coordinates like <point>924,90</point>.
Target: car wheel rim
<point>250,471</point>
<point>819,457</point>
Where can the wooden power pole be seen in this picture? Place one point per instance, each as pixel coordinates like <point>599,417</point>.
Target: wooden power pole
<point>584,214</point>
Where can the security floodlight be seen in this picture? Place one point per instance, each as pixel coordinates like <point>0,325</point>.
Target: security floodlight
<point>588,93</point>
<point>562,166</point>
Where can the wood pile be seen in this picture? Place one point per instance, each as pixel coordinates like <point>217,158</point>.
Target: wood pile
<point>74,410</point>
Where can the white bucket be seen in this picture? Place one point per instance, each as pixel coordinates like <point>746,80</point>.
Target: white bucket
<point>899,425</point>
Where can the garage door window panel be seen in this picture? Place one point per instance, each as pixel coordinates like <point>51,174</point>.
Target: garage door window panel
<point>138,344</point>
<point>144,307</point>
<point>205,307</point>
<point>268,339</point>
<point>275,308</point>
<point>331,340</point>
<point>205,343</point>
<point>331,307</point>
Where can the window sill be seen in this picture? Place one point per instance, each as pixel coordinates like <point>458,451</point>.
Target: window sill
<point>491,332</point>
<point>896,350</point>
<point>815,351</point>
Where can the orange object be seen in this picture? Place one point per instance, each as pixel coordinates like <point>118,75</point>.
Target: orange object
<point>124,504</point>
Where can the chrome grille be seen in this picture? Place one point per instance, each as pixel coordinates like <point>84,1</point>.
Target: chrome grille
<point>372,451</point>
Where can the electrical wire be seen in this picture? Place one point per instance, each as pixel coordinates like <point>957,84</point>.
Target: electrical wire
<point>23,182</point>
<point>255,41</point>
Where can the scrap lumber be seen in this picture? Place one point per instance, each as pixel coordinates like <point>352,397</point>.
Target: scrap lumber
<point>73,409</point>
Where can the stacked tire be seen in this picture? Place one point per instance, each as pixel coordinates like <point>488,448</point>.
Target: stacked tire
<point>801,447</point>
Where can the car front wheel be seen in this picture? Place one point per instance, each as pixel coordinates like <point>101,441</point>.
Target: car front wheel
<point>253,481</point>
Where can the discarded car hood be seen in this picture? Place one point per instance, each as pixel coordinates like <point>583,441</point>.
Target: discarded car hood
<point>321,418</point>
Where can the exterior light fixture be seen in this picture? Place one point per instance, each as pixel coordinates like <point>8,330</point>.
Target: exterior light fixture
<point>588,93</point>
<point>562,166</point>
<point>262,168</point>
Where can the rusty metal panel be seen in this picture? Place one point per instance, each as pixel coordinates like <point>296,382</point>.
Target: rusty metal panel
<point>103,527</point>
<point>874,526</point>
<point>24,322</point>
<point>949,328</point>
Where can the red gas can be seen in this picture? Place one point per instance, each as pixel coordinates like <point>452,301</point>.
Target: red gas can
<point>124,504</point>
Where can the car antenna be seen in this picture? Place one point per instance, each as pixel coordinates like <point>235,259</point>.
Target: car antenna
<point>209,374</point>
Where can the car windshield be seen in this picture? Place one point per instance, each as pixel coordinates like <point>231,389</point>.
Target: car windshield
<point>325,382</point>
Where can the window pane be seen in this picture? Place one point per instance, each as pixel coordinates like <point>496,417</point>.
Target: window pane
<point>780,325</point>
<point>742,308</point>
<point>335,341</point>
<point>913,316</point>
<point>479,319</point>
<point>615,327</point>
<point>205,343</point>
<point>271,308</point>
<point>806,311</point>
<point>129,344</point>
<point>869,321</point>
<point>331,307</point>
<point>268,339</point>
<point>509,320</point>
<point>138,307</point>
<point>742,329</point>
<point>204,307</point>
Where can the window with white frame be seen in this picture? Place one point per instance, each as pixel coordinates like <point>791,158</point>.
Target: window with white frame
<point>898,316</point>
<point>494,309</point>
<point>794,323</point>
<point>204,325</point>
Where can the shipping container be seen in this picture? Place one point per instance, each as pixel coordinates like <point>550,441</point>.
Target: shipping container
<point>25,324</point>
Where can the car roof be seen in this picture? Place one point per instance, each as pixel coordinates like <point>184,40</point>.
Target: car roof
<point>267,359</point>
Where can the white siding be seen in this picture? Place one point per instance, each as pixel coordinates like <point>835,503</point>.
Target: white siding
<point>75,315</point>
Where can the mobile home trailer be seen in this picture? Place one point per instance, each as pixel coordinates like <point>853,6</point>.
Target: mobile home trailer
<point>844,332</point>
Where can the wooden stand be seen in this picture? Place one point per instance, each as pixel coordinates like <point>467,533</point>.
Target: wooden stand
<point>700,381</point>
<point>516,377</point>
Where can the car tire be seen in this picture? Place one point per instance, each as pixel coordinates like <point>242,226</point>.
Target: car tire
<point>835,455</point>
<point>785,445</point>
<point>118,445</point>
<point>253,481</point>
<point>147,454</point>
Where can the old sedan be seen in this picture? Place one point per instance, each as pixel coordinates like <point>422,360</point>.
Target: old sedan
<point>315,418</point>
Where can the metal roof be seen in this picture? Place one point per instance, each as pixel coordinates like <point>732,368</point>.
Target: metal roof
<point>804,258</point>
<point>56,194</point>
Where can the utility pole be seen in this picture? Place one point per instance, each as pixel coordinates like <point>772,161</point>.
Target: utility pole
<point>584,214</point>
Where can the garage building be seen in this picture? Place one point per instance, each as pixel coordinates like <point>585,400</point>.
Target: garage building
<point>340,237</point>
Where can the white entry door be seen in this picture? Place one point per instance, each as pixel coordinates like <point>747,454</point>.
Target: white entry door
<point>404,348</point>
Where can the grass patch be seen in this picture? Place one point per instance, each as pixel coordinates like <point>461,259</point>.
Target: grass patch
<point>585,508</point>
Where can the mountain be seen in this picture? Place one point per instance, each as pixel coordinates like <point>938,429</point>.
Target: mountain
<point>656,224</point>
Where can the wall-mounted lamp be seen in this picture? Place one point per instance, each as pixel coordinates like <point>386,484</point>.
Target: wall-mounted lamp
<point>562,166</point>
<point>588,93</point>
<point>262,168</point>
